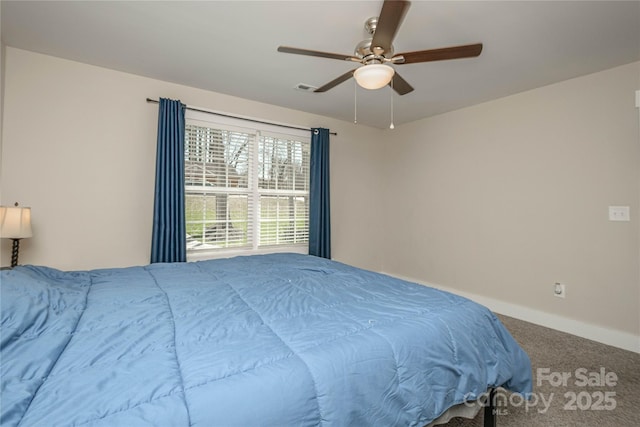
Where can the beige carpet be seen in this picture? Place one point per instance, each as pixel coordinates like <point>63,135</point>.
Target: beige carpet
<point>577,382</point>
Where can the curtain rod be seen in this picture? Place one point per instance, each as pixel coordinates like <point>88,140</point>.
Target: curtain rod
<point>155,101</point>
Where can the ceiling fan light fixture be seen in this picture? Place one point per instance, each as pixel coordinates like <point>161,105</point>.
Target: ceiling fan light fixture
<point>374,76</point>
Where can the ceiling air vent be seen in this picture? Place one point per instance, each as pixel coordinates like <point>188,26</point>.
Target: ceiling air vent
<point>305,87</point>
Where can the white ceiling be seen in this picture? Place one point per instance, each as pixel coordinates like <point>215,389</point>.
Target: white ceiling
<point>230,47</point>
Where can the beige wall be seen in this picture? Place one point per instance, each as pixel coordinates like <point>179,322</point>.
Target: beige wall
<point>505,198</point>
<point>2,61</point>
<point>79,148</point>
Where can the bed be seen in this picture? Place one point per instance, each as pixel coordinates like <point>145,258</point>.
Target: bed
<point>262,340</point>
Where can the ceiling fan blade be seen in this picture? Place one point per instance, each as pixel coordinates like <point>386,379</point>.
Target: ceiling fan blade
<point>295,50</point>
<point>400,85</point>
<point>454,52</point>
<point>335,82</point>
<point>389,21</point>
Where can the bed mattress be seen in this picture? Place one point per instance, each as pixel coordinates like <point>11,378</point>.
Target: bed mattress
<point>269,340</point>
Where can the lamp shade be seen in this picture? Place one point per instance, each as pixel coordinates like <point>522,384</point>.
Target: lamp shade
<point>374,76</point>
<point>15,222</point>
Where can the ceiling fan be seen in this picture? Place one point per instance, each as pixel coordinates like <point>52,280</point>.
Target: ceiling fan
<point>376,52</point>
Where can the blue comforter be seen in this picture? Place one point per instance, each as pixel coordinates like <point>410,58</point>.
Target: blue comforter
<point>271,340</point>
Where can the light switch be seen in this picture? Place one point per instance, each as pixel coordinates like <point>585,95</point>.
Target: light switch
<point>619,213</point>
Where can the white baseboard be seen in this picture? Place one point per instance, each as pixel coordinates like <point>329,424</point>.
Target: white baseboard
<point>600,334</point>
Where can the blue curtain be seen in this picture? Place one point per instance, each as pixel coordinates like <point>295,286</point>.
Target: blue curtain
<point>169,234</point>
<point>319,206</point>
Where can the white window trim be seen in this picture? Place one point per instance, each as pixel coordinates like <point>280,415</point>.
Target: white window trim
<point>241,125</point>
<point>229,253</point>
<point>260,129</point>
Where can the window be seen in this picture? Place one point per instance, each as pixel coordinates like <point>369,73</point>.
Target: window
<point>245,189</point>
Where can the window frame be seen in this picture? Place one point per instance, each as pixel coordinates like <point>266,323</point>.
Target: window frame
<point>257,130</point>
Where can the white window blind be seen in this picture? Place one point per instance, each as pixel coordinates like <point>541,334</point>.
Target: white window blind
<point>245,189</point>
<point>284,191</point>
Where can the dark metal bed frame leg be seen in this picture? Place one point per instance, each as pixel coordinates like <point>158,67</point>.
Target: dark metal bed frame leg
<point>490,415</point>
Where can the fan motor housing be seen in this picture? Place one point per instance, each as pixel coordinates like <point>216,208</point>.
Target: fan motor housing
<point>364,51</point>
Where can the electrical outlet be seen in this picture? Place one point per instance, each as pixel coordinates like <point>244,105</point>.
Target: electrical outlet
<point>619,213</point>
<point>559,290</point>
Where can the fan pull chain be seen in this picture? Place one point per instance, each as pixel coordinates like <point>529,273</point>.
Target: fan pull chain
<point>355,101</point>
<point>391,126</point>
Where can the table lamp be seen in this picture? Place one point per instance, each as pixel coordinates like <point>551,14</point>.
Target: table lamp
<point>15,224</point>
